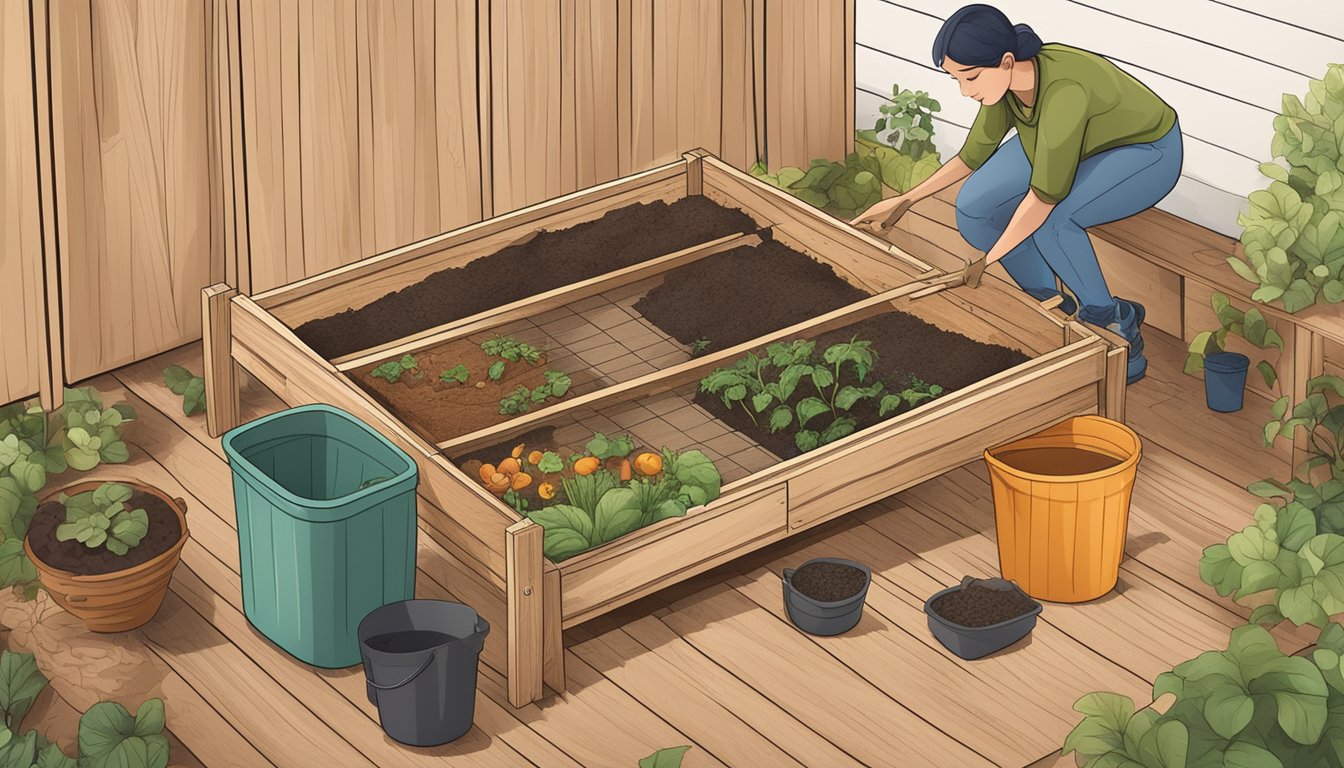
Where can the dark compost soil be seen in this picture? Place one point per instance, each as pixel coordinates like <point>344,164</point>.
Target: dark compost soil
<point>906,346</point>
<point>164,530</point>
<point>977,606</point>
<point>828,582</point>
<point>621,238</point>
<point>738,295</point>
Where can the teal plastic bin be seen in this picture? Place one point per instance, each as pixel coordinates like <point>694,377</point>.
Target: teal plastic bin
<point>326,528</point>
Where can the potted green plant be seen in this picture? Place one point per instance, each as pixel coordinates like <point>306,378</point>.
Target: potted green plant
<point>106,550</point>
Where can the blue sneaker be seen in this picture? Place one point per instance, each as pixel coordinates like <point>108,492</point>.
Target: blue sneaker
<point>1124,319</point>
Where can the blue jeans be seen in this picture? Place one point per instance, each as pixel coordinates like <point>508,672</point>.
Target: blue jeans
<point>1111,185</point>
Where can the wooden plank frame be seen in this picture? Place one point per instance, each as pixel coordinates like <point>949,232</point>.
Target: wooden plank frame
<point>1071,370</point>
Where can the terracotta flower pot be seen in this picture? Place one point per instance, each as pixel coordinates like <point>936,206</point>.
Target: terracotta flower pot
<point>120,600</point>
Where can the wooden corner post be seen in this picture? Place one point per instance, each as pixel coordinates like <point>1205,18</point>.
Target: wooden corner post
<point>221,381</point>
<point>553,631</point>
<point>695,172</point>
<point>524,586</point>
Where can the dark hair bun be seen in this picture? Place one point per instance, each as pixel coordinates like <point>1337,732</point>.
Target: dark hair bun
<point>1028,42</point>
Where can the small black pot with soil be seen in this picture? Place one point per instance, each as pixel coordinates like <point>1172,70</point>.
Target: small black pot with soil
<point>981,616</point>
<point>824,596</point>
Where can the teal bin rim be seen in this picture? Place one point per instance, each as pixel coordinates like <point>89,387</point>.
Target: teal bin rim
<point>352,503</point>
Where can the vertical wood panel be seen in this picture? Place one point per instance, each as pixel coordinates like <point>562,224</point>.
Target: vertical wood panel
<point>328,134</point>
<point>21,313</point>
<point>589,103</point>
<point>132,145</point>
<point>806,79</point>
<point>525,102</point>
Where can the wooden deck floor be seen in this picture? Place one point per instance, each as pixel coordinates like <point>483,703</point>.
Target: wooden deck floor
<point>713,662</point>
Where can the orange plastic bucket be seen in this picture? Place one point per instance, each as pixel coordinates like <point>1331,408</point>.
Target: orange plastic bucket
<point>1061,507</point>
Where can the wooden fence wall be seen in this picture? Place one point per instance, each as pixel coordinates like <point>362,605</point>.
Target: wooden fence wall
<point>262,141</point>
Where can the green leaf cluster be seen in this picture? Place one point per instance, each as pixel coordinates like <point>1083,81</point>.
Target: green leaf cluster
<point>34,446</point>
<point>600,508</point>
<point>906,124</point>
<point>1249,325</point>
<point>511,349</point>
<point>393,370</point>
<point>669,757</point>
<point>1293,237</point>
<point>102,517</point>
<point>109,735</point>
<point>1250,705</point>
<point>842,189</point>
<point>457,373</point>
<point>190,386</point>
<point>522,399</point>
<point>789,388</point>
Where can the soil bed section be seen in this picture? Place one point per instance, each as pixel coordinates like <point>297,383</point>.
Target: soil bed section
<point>551,259</point>
<point>441,411</point>
<point>744,293</point>
<point>164,531</point>
<point>977,606</point>
<point>906,347</point>
<point>828,582</point>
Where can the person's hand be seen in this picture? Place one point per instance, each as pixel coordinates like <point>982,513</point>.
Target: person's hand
<point>973,272</point>
<point>883,214</point>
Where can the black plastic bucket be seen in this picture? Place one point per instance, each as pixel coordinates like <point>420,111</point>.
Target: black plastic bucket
<point>826,619</point>
<point>420,659</point>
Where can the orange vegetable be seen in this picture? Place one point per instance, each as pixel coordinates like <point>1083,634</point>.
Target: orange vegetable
<point>486,471</point>
<point>620,467</point>
<point>521,481</point>
<point>497,484</point>
<point>648,464</point>
<point>546,491</point>
<point>517,451</point>
<point>587,465</point>
<point>534,458</point>
<point>510,466</point>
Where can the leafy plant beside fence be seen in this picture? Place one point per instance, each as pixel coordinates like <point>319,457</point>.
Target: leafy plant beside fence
<point>1293,242</point>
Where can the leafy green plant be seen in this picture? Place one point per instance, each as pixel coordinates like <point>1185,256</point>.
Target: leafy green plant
<point>190,386</point>
<point>393,370</point>
<point>35,445</point>
<point>906,124</point>
<point>600,508</point>
<point>605,448</point>
<point>1293,239</point>
<point>669,757</point>
<point>101,517</point>
<point>1250,705</point>
<point>1250,325</point>
<point>511,350</point>
<point>780,380</point>
<point>915,392</point>
<point>457,373</point>
<point>841,189</point>
<point>521,399</point>
<point>495,371</point>
<point>109,735</point>
<point>700,346</point>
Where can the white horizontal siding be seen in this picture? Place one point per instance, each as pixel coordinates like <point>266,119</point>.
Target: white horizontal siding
<point>1221,67</point>
<point>1325,17</point>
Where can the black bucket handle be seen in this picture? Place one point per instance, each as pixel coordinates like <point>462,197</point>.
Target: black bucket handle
<point>413,675</point>
<point>482,627</point>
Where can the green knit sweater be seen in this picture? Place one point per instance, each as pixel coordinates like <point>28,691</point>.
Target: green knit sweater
<point>1084,105</point>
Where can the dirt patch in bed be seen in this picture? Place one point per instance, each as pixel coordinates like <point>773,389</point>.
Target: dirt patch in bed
<point>551,259</point>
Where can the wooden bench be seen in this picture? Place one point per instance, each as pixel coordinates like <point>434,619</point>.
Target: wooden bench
<point>1174,267</point>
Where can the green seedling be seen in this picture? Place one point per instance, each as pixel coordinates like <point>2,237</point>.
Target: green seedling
<point>458,373</point>
<point>521,399</point>
<point>700,346</point>
<point>511,350</point>
<point>394,370</point>
<point>495,371</point>
<point>101,517</point>
<point>916,392</point>
<point>190,386</point>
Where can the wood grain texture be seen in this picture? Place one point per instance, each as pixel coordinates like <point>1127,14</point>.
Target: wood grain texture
<point>525,102</point>
<point>132,158</point>
<point>218,370</point>
<point>22,313</point>
<point>524,595</point>
<point>806,81</point>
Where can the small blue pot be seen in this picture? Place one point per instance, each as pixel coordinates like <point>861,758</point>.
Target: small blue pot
<point>1225,381</point>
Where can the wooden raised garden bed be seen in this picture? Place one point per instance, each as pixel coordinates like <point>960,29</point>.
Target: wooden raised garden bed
<point>624,334</point>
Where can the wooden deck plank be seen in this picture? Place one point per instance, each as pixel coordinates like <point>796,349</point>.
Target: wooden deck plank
<point>675,697</point>
<point>85,668</point>
<point>799,676</point>
<point>1000,706</point>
